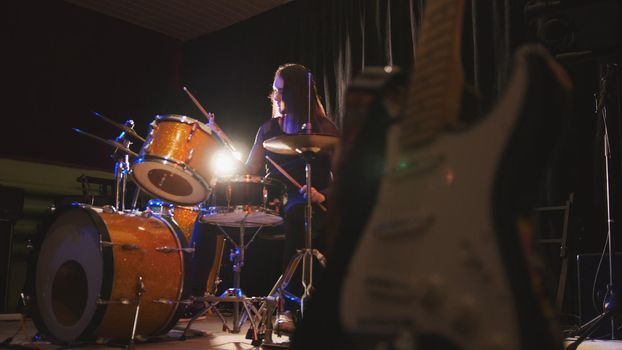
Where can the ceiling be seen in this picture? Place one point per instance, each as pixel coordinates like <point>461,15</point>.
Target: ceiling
<point>181,19</point>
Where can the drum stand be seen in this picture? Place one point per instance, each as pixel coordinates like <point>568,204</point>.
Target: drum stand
<point>235,294</point>
<point>121,169</point>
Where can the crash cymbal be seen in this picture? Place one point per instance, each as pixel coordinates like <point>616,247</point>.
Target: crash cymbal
<point>127,129</point>
<point>112,143</point>
<point>301,143</point>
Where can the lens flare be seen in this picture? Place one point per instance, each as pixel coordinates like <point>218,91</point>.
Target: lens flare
<point>225,163</point>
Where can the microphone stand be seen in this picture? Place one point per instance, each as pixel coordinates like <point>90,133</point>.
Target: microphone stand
<point>610,307</point>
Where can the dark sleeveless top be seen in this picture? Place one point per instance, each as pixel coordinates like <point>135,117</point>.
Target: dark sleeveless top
<point>295,165</point>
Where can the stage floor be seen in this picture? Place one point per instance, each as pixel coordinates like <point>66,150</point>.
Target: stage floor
<point>213,338</point>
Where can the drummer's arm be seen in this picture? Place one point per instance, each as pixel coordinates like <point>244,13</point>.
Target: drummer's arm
<point>255,159</point>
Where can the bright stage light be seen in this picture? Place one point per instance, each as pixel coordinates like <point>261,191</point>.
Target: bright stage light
<point>237,155</point>
<point>225,163</point>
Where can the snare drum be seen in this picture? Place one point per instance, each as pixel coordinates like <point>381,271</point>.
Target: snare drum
<point>174,163</point>
<point>245,198</point>
<point>91,263</point>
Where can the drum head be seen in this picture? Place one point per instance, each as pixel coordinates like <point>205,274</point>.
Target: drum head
<point>69,275</point>
<point>169,181</point>
<point>233,217</point>
<point>247,199</point>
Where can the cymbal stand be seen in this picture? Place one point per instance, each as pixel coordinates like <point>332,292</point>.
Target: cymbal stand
<point>121,169</point>
<point>305,256</point>
<point>307,252</point>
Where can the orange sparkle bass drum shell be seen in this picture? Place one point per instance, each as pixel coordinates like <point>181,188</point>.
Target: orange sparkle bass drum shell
<point>90,266</point>
<point>174,164</point>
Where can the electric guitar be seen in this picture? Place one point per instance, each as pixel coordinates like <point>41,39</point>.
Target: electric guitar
<point>440,262</point>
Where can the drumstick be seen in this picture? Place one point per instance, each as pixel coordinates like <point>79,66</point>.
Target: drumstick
<point>210,121</point>
<point>196,103</point>
<point>291,179</point>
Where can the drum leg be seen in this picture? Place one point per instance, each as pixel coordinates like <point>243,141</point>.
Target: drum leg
<point>214,279</point>
<point>243,306</point>
<point>140,289</point>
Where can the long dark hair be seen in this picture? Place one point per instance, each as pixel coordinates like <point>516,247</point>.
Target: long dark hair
<point>295,93</point>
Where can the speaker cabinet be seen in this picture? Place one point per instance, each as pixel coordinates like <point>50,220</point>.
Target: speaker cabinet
<point>11,206</point>
<point>6,245</point>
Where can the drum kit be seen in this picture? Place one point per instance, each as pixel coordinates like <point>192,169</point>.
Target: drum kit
<point>115,273</point>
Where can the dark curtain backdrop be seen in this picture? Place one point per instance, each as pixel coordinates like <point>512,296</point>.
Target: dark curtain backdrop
<point>341,38</point>
<point>61,63</point>
<point>231,71</point>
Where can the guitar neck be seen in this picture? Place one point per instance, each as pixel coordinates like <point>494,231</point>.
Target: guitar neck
<point>434,97</point>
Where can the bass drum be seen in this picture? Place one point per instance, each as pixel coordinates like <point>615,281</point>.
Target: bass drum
<point>91,265</point>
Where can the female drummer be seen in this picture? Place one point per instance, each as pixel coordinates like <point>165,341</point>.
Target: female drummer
<point>290,113</point>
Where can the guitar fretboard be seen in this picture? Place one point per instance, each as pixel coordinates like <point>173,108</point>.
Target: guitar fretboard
<point>435,94</point>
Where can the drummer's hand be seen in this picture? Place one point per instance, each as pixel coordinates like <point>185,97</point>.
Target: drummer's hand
<point>316,196</point>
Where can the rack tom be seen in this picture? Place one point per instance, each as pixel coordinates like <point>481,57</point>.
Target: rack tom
<point>174,163</point>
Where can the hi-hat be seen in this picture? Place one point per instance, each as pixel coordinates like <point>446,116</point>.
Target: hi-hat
<point>301,143</point>
<point>112,143</point>
<point>127,129</point>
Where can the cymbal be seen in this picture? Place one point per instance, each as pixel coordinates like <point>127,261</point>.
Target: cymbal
<point>112,143</point>
<point>301,143</point>
<point>127,129</point>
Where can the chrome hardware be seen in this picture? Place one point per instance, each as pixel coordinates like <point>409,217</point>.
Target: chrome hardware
<point>167,250</point>
<point>265,196</point>
<point>192,131</point>
<point>123,301</point>
<point>124,246</point>
<point>109,209</point>
<point>229,190</point>
<point>154,127</point>
<point>189,158</point>
<point>172,302</point>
